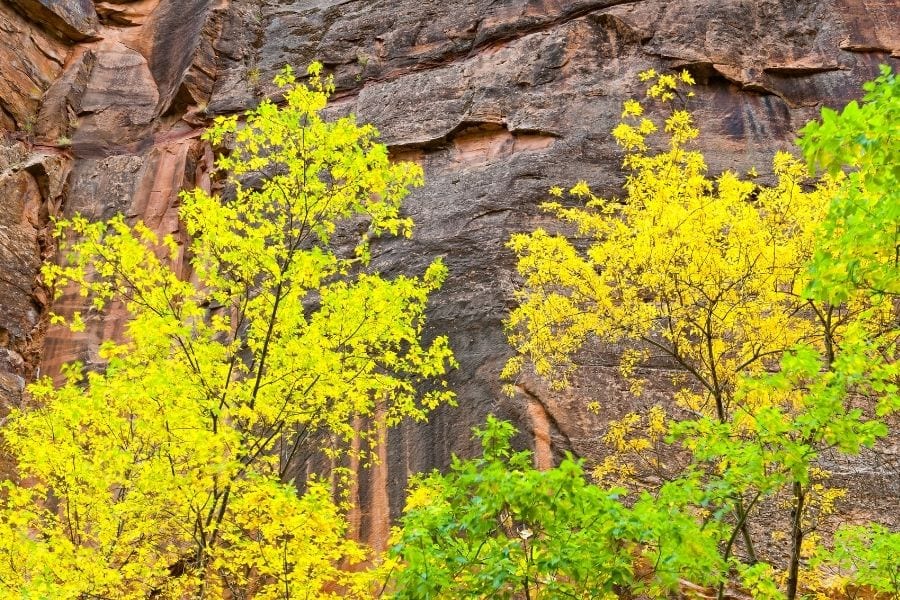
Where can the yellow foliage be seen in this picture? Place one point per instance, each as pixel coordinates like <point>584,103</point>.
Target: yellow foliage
<point>705,270</point>
<point>636,440</point>
<point>174,472</point>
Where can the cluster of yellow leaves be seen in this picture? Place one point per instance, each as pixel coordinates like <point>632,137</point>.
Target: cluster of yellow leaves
<point>639,450</point>
<point>707,271</point>
<point>183,467</point>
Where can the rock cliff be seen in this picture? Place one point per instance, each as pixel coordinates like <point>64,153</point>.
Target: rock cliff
<point>102,104</point>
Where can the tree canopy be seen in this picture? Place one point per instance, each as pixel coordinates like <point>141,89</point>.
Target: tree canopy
<point>180,468</point>
<point>734,281</point>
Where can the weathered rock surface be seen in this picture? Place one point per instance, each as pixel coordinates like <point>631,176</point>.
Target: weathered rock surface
<point>62,102</point>
<point>72,19</point>
<point>31,188</point>
<point>142,187</point>
<point>497,100</point>
<point>31,61</point>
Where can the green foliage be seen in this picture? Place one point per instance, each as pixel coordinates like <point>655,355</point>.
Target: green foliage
<point>858,251</point>
<point>173,472</point>
<point>496,527</point>
<point>863,556</point>
<point>860,245</point>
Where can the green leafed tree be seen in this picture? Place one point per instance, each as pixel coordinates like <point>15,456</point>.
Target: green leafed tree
<point>179,469</point>
<point>496,527</point>
<point>860,242</point>
<point>858,251</point>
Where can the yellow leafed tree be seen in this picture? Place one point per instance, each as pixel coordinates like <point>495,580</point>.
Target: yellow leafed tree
<point>706,271</point>
<point>179,470</point>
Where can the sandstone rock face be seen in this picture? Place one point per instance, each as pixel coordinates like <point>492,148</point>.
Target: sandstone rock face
<point>31,186</point>
<point>31,61</point>
<point>73,19</point>
<point>497,100</point>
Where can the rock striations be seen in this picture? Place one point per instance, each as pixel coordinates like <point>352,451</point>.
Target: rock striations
<point>102,104</point>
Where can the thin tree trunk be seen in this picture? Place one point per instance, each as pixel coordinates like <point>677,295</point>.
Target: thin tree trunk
<point>796,540</point>
<point>745,531</point>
